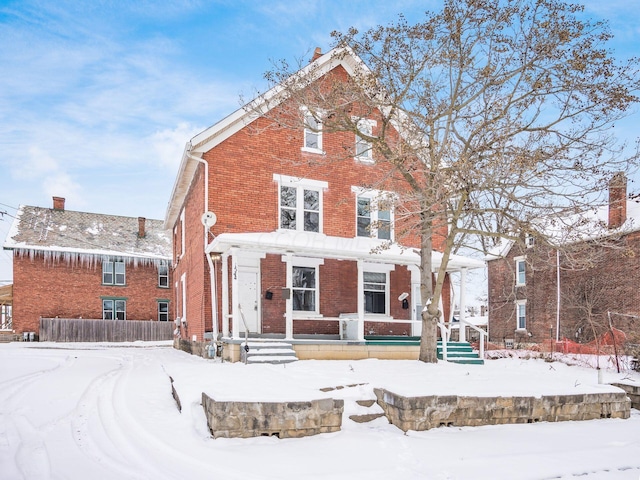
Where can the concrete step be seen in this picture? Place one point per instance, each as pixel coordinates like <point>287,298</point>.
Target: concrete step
<point>268,351</point>
<point>460,352</point>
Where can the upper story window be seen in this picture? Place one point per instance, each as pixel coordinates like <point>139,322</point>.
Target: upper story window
<point>113,272</point>
<point>364,147</point>
<point>163,275</point>
<point>300,203</point>
<point>312,133</point>
<point>521,269</point>
<point>374,214</point>
<point>182,233</point>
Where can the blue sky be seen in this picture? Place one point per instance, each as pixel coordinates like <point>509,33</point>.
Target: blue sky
<point>98,98</point>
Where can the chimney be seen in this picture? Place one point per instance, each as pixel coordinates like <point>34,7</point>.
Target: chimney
<point>58,203</point>
<point>617,200</point>
<point>141,232</point>
<point>316,54</point>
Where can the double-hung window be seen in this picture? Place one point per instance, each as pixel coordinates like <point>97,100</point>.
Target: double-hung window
<point>312,133</point>
<point>300,203</point>
<point>364,147</point>
<point>374,214</point>
<point>375,292</point>
<point>114,309</point>
<point>163,310</point>
<point>163,275</point>
<point>521,270</point>
<point>521,313</point>
<point>305,289</point>
<point>113,272</point>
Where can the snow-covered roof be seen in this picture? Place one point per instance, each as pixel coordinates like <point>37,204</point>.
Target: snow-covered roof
<point>317,244</point>
<point>589,225</point>
<point>233,123</point>
<point>65,233</point>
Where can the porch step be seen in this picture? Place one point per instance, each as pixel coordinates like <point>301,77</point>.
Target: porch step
<point>460,352</point>
<point>269,351</point>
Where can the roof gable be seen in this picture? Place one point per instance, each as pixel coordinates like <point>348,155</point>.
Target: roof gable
<point>233,123</point>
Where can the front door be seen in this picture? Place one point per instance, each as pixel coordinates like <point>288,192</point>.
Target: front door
<point>249,299</point>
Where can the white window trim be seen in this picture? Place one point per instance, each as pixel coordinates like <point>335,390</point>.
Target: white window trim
<point>304,148</point>
<point>183,288</point>
<point>308,262</point>
<point>368,158</point>
<point>158,302</point>
<point>518,261</point>
<point>301,184</point>
<point>374,196</point>
<point>182,233</point>
<point>521,303</point>
<point>386,269</point>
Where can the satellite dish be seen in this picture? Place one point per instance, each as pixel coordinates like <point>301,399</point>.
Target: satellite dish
<point>208,219</point>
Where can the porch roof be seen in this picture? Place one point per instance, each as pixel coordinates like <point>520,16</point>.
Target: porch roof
<point>325,246</point>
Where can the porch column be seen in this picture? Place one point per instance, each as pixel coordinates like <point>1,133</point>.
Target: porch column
<point>463,287</point>
<point>288,315</point>
<point>235,312</point>
<point>225,295</point>
<point>360,300</point>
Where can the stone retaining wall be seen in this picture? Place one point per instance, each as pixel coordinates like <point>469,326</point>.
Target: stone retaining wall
<point>633,392</point>
<point>281,419</point>
<point>423,413</point>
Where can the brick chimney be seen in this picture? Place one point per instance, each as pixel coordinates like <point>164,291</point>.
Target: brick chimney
<point>617,200</point>
<point>58,203</point>
<point>316,54</point>
<point>141,222</point>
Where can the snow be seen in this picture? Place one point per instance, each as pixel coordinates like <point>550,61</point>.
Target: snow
<point>105,411</point>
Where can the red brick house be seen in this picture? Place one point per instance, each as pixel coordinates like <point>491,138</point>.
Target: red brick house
<point>537,293</point>
<point>268,235</point>
<point>69,264</point>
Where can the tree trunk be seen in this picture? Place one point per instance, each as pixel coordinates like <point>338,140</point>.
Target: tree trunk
<point>429,337</point>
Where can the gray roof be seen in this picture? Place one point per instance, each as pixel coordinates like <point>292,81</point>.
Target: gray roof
<point>69,233</point>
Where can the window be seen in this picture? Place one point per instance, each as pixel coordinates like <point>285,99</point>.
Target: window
<point>113,272</point>
<point>529,240</point>
<point>521,268</point>
<point>163,310</point>
<point>364,148</point>
<point>312,133</point>
<point>163,275</point>
<point>521,312</point>
<point>114,309</point>
<point>300,203</point>
<point>374,216</point>
<point>182,234</point>
<point>183,290</point>
<point>304,289</point>
<point>375,292</point>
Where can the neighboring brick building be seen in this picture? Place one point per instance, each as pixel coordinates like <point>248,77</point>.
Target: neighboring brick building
<point>291,249</point>
<point>598,280</point>
<point>70,264</point>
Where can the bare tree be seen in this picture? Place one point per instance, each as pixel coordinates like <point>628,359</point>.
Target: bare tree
<point>489,115</point>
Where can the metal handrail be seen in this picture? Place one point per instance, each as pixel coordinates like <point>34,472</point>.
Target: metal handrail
<point>481,332</point>
<point>445,333</point>
<point>246,333</point>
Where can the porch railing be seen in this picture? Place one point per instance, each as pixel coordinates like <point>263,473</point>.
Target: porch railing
<point>246,334</point>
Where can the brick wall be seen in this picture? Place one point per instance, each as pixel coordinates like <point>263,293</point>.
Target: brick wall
<point>60,289</point>
<point>244,196</point>
<point>606,276</point>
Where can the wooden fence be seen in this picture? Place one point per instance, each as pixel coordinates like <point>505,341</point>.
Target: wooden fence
<point>85,330</point>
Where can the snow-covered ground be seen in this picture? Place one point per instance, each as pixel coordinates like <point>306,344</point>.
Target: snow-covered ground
<point>97,411</point>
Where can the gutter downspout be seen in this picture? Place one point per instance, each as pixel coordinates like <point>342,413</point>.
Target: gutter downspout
<point>212,270</point>
<point>558,295</point>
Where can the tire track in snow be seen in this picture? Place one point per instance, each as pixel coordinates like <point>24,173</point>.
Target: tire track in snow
<point>9,388</point>
<point>89,442</point>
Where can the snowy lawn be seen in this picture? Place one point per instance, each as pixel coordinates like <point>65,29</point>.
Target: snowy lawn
<point>98,411</point>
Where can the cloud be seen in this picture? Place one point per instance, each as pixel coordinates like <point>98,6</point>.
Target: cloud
<point>168,144</point>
